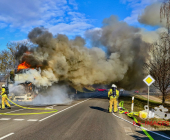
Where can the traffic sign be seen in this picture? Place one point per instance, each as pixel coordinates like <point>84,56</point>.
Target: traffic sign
<point>149,80</point>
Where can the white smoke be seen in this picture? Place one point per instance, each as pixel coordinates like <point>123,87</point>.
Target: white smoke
<point>55,95</point>
<point>152,36</point>
<point>50,96</point>
<point>46,78</point>
<point>151,15</point>
<point>16,90</point>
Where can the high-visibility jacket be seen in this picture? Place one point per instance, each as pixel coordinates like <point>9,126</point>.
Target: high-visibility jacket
<point>110,92</point>
<point>3,92</point>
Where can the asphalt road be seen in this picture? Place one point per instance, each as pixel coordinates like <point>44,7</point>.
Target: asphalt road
<point>84,119</point>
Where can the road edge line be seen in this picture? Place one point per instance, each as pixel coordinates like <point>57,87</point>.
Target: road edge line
<point>6,136</point>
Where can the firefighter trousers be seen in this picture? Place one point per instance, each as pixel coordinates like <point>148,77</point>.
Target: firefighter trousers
<point>4,100</point>
<point>111,102</point>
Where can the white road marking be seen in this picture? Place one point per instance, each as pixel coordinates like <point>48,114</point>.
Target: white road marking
<point>140,126</point>
<point>5,119</point>
<point>18,119</point>
<point>6,136</point>
<point>15,110</point>
<point>62,110</point>
<point>32,120</point>
<point>50,107</point>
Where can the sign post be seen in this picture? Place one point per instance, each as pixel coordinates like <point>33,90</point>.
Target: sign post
<point>149,80</point>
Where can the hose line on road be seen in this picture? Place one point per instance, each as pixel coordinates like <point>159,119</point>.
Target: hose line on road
<point>51,110</point>
<point>125,111</point>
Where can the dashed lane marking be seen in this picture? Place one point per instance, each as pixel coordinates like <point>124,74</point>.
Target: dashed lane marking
<point>32,120</point>
<point>6,136</point>
<point>44,118</point>
<point>15,110</point>
<point>5,119</point>
<point>18,119</point>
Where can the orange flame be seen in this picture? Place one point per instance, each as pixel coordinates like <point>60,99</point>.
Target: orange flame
<point>28,52</point>
<point>23,65</point>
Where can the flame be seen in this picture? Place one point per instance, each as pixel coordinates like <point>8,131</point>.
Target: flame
<point>28,52</point>
<point>23,65</point>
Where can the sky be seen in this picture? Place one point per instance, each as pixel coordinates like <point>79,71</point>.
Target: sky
<point>70,17</point>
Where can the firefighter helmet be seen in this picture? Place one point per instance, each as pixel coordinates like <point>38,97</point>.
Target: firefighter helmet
<point>3,86</point>
<point>113,85</point>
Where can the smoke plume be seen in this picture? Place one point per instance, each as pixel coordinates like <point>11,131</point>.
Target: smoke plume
<point>151,15</point>
<point>126,50</point>
<point>69,60</point>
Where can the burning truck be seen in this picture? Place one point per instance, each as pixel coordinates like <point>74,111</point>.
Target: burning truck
<point>21,90</point>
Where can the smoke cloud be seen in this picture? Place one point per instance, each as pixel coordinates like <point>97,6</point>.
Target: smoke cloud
<point>50,96</point>
<point>54,95</point>
<point>16,90</point>
<point>126,50</point>
<point>71,61</point>
<point>151,15</point>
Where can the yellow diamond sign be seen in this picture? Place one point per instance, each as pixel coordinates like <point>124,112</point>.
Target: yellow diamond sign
<point>149,80</point>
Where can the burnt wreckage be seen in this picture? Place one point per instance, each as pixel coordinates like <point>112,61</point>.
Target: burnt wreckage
<point>31,91</point>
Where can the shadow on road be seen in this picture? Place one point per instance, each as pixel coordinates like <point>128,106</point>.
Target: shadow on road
<point>140,138</point>
<point>99,108</point>
<point>156,137</point>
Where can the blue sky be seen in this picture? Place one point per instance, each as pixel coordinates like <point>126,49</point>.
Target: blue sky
<point>70,17</point>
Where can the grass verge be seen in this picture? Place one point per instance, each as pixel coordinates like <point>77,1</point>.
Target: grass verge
<point>139,104</point>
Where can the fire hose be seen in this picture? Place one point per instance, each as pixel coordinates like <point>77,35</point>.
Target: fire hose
<point>51,110</point>
<point>130,114</point>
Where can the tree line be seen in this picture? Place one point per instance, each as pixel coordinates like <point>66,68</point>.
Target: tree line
<point>157,65</point>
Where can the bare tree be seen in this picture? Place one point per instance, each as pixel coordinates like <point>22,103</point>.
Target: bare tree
<point>8,59</point>
<point>158,66</point>
<point>165,13</point>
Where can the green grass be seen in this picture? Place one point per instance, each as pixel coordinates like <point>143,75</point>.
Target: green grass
<point>144,98</point>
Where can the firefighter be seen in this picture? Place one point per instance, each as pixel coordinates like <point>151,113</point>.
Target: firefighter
<point>4,98</point>
<point>113,95</point>
<point>12,75</point>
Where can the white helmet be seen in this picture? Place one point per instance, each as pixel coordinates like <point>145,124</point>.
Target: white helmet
<point>113,85</point>
<point>3,86</point>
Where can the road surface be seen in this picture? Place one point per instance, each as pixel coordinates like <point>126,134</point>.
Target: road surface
<point>84,119</point>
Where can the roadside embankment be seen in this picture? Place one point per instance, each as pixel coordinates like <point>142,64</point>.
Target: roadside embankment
<point>139,103</point>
